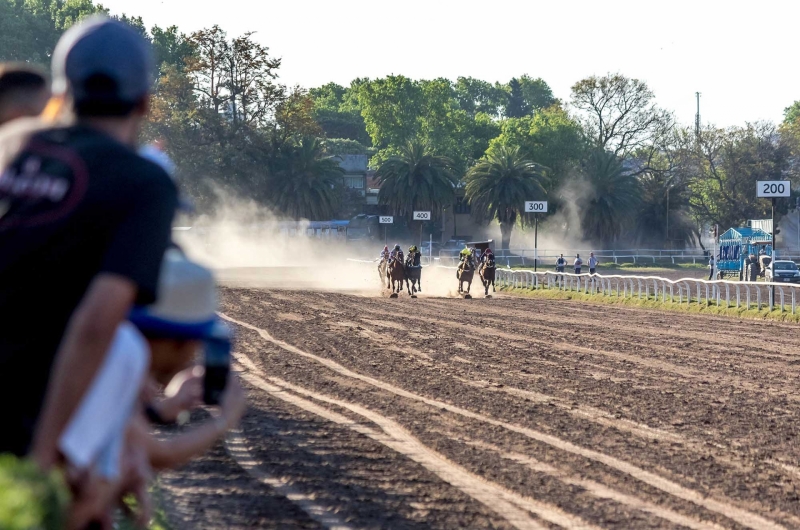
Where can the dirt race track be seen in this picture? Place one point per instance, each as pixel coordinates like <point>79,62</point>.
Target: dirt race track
<point>368,412</point>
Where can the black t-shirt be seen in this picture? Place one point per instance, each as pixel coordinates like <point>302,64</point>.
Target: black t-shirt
<point>73,203</point>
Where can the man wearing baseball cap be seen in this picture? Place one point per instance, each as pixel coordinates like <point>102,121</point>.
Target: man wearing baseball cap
<point>84,223</point>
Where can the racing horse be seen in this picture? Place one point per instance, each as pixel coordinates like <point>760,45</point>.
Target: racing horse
<point>487,275</point>
<point>395,276</point>
<point>413,279</point>
<point>382,273</point>
<point>465,274</point>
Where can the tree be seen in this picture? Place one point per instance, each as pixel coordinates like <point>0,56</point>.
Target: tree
<point>550,138</point>
<point>235,76</point>
<point>791,114</point>
<point>294,116</point>
<point>724,165</point>
<point>610,199</point>
<point>516,106</point>
<point>475,96</point>
<point>498,186</point>
<point>171,47</point>
<point>416,179</point>
<point>304,182</point>
<point>536,93</point>
<point>335,115</point>
<point>391,108</point>
<point>619,114</point>
<point>664,215</point>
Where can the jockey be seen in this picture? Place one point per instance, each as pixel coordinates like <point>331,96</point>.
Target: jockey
<point>384,256</point>
<point>397,253</point>
<point>466,257</point>
<point>485,258</point>
<point>413,259</point>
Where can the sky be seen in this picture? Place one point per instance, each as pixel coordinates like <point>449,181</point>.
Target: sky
<point>741,56</point>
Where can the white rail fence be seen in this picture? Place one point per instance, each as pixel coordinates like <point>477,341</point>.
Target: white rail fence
<point>686,290</point>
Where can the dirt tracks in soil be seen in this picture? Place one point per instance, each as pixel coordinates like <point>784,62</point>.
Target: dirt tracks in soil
<point>502,413</point>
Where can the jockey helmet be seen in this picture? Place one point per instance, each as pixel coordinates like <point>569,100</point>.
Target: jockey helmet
<point>487,251</point>
<point>397,247</point>
<point>386,247</point>
<point>412,248</point>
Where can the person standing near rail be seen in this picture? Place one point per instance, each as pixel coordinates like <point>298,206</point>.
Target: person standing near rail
<point>561,263</point>
<point>711,267</point>
<point>592,263</point>
<point>578,264</point>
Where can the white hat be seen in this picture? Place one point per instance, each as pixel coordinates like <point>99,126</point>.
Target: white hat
<point>186,301</point>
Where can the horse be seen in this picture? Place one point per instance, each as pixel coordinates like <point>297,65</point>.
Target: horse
<point>413,279</point>
<point>465,274</point>
<point>395,275</point>
<point>487,275</point>
<point>382,273</point>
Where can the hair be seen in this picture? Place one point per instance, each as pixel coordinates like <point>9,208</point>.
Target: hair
<point>18,82</point>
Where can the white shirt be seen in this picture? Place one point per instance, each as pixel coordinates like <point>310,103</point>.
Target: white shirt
<point>578,262</point>
<point>592,262</point>
<point>95,434</point>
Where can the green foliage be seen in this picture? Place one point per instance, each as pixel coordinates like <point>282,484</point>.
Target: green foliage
<point>610,199</point>
<point>416,179</point>
<point>391,108</point>
<point>30,499</point>
<point>304,181</point>
<point>475,96</point>
<point>337,112</point>
<point>550,138</point>
<point>725,165</point>
<point>663,195</point>
<point>516,106</point>
<point>343,146</point>
<point>498,186</point>
<point>791,114</point>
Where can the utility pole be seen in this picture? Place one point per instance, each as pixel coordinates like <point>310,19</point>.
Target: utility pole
<point>697,116</point>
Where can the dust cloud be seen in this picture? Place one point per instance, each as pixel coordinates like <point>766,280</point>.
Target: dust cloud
<point>247,245</point>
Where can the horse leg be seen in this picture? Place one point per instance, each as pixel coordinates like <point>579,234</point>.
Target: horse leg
<point>493,289</point>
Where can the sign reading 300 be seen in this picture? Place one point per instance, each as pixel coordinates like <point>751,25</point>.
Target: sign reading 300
<point>536,206</point>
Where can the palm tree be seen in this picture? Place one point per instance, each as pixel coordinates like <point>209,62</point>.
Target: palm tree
<point>304,181</point>
<point>611,198</point>
<point>663,216</point>
<point>416,179</point>
<point>498,186</point>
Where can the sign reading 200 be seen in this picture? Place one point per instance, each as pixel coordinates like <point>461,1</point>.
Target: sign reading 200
<point>773,188</point>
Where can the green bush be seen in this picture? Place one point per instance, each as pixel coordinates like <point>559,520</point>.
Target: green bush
<point>29,498</point>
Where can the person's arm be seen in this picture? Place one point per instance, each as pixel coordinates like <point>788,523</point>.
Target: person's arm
<point>174,452</point>
<point>82,351</point>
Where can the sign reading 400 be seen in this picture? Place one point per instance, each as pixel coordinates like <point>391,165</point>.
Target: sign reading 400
<point>422,216</point>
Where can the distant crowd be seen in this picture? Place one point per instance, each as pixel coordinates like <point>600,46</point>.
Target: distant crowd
<point>109,329</point>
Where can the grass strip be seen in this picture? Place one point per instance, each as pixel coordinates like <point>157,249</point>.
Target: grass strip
<point>651,303</point>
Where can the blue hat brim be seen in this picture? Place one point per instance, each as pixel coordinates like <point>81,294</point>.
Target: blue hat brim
<point>153,325</point>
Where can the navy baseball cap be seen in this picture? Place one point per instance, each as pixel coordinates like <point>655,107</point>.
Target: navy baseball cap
<point>103,61</point>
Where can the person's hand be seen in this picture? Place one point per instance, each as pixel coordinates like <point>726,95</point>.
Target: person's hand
<point>233,403</point>
<point>184,392</point>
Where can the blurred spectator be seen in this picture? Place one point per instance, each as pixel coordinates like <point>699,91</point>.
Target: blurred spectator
<point>83,238</point>
<point>592,263</point>
<point>23,92</point>
<point>710,267</point>
<point>578,264</point>
<point>169,335</point>
<point>561,263</point>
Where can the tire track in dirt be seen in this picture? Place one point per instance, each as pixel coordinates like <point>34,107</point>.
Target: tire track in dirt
<point>741,459</point>
<point>509,505</point>
<point>724,508</point>
<point>236,446</point>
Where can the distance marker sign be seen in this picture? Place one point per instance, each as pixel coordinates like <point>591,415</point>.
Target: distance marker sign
<point>422,216</point>
<point>386,220</point>
<point>773,188</point>
<point>536,206</point>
